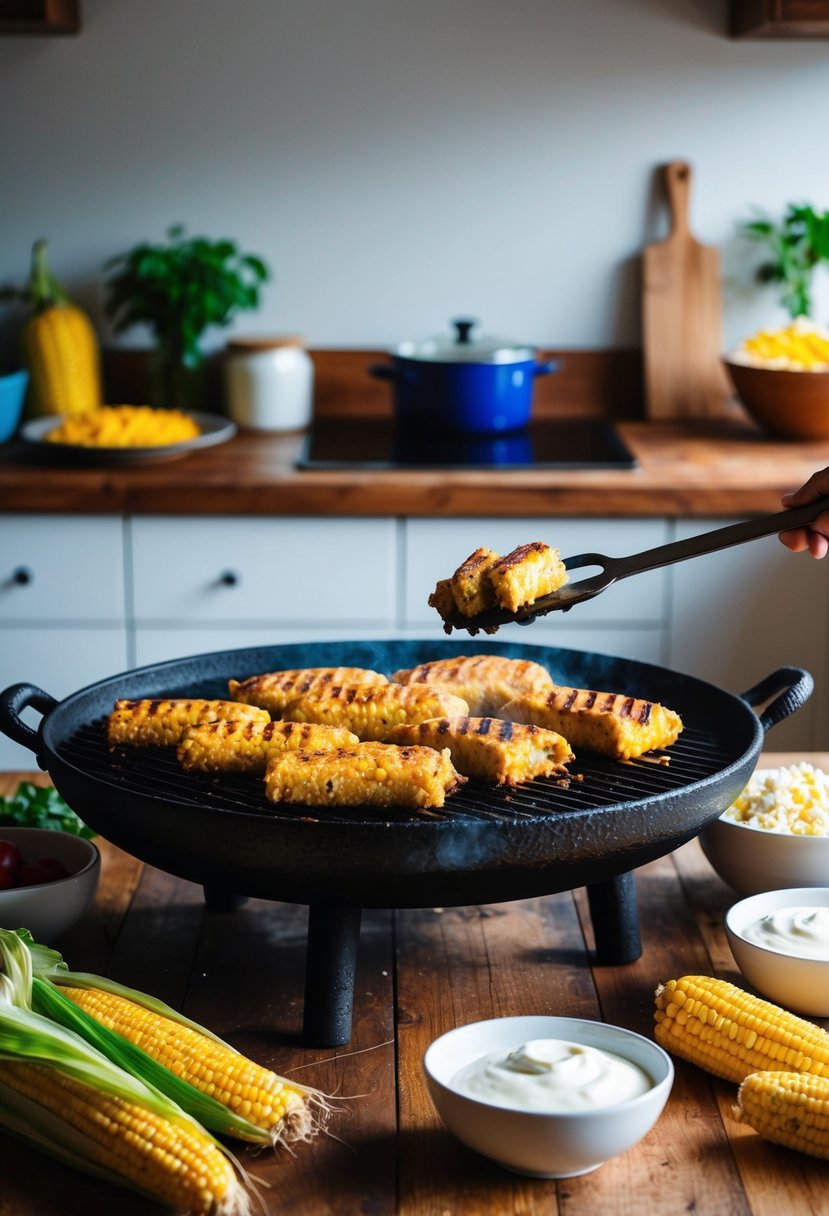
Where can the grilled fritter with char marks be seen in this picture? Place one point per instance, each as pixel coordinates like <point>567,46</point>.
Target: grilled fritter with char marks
<point>484,681</point>
<point>507,753</point>
<point>606,722</point>
<point>162,722</point>
<point>472,589</point>
<point>372,710</point>
<point>273,690</point>
<point>244,747</point>
<point>367,774</point>
<point>523,576</point>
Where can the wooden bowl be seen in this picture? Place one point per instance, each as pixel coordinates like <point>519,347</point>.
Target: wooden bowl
<point>791,405</point>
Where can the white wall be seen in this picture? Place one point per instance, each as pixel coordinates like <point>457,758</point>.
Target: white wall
<point>401,163</point>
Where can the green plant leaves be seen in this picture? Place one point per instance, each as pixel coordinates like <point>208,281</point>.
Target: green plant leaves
<point>797,246</point>
<point>34,806</point>
<point>182,288</point>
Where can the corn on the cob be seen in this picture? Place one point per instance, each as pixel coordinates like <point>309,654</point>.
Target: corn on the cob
<point>372,710</point>
<point>367,774</point>
<point>161,723</point>
<point>523,576</point>
<point>60,347</point>
<point>731,1033</point>
<point>243,747</point>
<point>606,722</point>
<point>281,1110</point>
<point>484,681</point>
<point>788,1108</point>
<point>490,749</point>
<point>472,588</point>
<point>275,689</point>
<point>172,1161</point>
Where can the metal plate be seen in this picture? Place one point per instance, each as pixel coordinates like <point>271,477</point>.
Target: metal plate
<point>214,430</point>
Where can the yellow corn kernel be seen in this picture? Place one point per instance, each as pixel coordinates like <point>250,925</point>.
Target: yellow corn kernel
<point>280,1109</point>
<point>731,1033</point>
<point>275,689</point>
<point>124,426</point>
<point>175,1163</point>
<point>789,1108</point>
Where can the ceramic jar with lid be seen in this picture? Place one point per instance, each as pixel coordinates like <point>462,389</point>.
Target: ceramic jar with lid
<point>269,383</point>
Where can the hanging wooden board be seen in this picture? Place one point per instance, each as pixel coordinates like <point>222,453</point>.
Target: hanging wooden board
<point>682,316</point>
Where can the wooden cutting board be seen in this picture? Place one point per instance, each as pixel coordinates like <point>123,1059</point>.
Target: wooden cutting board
<point>682,316</point>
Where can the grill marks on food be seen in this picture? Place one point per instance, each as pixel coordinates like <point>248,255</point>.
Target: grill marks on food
<point>244,747</point>
<point>491,749</point>
<point>485,681</point>
<point>372,711</point>
<point>613,724</point>
<point>274,690</point>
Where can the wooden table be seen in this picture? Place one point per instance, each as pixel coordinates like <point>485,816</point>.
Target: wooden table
<point>420,973</point>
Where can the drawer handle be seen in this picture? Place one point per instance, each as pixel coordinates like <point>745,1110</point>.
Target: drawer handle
<point>229,578</point>
<point>21,576</point>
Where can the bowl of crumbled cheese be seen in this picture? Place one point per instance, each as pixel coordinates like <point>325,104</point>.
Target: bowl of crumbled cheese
<point>775,835</point>
<point>782,378</point>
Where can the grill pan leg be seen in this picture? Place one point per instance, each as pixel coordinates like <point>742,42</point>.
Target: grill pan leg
<point>330,965</point>
<point>615,919</point>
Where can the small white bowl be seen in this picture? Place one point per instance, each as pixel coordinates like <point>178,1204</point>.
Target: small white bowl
<point>754,859</point>
<point>798,984</point>
<point>51,908</point>
<point>545,1144</point>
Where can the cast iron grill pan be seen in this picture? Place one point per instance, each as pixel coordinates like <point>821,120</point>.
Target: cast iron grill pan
<point>488,844</point>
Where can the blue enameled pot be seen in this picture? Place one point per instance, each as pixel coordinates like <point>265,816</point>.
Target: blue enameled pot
<point>464,384</point>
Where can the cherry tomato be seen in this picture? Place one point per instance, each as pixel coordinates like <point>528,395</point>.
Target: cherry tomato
<point>10,863</point>
<point>45,869</point>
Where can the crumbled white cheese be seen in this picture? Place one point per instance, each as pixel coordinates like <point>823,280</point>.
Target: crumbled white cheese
<point>793,801</point>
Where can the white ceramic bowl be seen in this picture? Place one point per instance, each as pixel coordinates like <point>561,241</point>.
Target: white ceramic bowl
<point>753,859</point>
<point>53,907</point>
<point>542,1144</point>
<point>798,984</point>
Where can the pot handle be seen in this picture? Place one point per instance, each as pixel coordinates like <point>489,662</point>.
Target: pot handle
<point>786,690</point>
<point>13,700</point>
<point>549,365</point>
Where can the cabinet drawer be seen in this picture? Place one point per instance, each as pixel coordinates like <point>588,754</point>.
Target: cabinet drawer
<point>285,572</point>
<point>53,568</point>
<point>60,661</point>
<point>434,548</point>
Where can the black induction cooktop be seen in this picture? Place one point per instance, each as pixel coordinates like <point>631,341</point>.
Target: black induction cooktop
<point>560,443</point>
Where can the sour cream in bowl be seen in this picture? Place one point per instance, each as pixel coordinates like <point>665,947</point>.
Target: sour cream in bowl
<point>780,942</point>
<point>548,1097</point>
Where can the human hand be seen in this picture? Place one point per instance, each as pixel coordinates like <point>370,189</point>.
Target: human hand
<point>815,537</point>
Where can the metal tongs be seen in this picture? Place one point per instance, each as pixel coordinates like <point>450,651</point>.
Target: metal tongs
<point>615,568</point>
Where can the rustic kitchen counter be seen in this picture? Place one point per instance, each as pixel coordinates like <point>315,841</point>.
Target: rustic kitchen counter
<point>722,468</point>
<point>420,973</point>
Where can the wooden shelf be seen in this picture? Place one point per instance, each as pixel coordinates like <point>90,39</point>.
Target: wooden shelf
<point>40,16</point>
<point>780,18</point>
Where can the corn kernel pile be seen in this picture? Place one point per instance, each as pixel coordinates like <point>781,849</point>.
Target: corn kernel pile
<point>800,347</point>
<point>793,801</point>
<point>124,426</point>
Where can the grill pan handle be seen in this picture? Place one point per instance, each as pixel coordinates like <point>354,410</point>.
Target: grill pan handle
<point>13,700</point>
<point>789,688</point>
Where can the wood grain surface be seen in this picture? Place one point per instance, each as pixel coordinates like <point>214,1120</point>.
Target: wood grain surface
<point>685,469</point>
<point>682,316</point>
<point>422,972</point>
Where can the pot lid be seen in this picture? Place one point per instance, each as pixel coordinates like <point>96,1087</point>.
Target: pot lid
<point>465,346</point>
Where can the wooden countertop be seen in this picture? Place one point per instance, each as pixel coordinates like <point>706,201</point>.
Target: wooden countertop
<point>724,468</point>
<point>420,973</point>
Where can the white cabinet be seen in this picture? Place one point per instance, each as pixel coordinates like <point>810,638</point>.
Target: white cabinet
<point>222,583</point>
<point>738,615</point>
<point>62,607</point>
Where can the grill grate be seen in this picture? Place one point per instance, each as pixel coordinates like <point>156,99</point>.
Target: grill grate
<point>594,782</point>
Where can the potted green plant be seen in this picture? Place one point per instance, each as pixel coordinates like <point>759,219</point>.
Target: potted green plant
<point>180,289</point>
<point>797,246</point>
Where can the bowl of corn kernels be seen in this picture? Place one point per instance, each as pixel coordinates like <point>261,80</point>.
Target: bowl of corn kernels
<point>781,376</point>
<point>775,835</point>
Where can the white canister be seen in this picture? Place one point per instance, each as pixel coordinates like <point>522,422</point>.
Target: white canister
<point>269,383</point>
